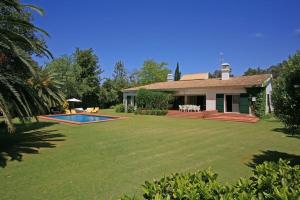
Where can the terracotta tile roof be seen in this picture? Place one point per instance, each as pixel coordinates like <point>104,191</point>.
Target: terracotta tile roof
<point>194,76</point>
<point>240,81</point>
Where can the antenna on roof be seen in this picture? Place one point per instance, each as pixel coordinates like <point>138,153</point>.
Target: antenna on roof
<point>221,58</point>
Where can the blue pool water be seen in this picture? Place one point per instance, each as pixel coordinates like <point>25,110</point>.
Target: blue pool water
<point>80,118</point>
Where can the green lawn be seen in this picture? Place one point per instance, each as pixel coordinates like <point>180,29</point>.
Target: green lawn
<point>105,160</point>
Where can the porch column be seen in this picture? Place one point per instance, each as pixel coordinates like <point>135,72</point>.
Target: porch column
<point>125,100</point>
<point>185,100</point>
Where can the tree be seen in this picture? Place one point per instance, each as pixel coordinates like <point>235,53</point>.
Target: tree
<point>216,74</point>
<point>21,95</point>
<point>108,93</point>
<point>254,71</point>
<point>68,72</point>
<point>89,77</point>
<point>286,93</point>
<point>120,79</point>
<point>177,74</point>
<point>152,72</point>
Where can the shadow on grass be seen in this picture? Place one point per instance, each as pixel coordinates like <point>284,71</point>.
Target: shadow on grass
<point>28,139</point>
<point>273,156</point>
<point>288,134</point>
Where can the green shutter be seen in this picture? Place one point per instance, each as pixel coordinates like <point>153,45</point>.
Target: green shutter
<point>220,102</point>
<point>244,103</point>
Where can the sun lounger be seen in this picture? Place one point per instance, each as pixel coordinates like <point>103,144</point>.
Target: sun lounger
<point>89,110</point>
<point>67,111</point>
<point>96,109</point>
<point>73,111</point>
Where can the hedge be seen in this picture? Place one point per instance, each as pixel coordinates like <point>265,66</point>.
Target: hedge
<point>269,180</point>
<point>151,112</point>
<point>152,100</point>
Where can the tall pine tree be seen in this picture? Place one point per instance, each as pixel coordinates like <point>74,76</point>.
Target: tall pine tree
<point>177,74</point>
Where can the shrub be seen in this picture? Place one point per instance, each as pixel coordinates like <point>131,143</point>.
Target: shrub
<point>286,94</point>
<point>120,108</point>
<point>130,109</point>
<point>152,100</point>
<point>269,181</point>
<point>112,107</point>
<point>259,106</point>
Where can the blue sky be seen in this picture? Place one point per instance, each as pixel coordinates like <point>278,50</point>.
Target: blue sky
<point>191,32</point>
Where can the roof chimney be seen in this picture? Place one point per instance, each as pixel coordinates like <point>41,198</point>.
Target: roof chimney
<point>170,77</point>
<point>225,71</point>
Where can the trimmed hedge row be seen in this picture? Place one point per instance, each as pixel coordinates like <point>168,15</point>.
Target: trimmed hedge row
<point>151,112</point>
<point>152,100</point>
<point>269,181</point>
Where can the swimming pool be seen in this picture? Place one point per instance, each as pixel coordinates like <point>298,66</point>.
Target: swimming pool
<point>79,118</point>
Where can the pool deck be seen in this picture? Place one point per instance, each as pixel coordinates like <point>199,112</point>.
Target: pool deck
<point>48,117</point>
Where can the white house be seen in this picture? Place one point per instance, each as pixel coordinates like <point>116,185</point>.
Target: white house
<point>225,94</point>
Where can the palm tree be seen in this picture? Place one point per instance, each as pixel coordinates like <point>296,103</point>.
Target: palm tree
<point>25,91</point>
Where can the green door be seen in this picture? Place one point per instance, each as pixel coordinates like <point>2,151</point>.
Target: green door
<point>220,102</point>
<point>244,103</point>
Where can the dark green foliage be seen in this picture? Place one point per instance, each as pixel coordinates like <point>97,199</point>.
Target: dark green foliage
<point>275,70</point>
<point>258,107</point>
<point>254,71</point>
<point>215,74</point>
<point>177,74</point>
<point>108,95</point>
<point>120,108</point>
<point>151,112</point>
<point>120,79</point>
<point>269,181</point>
<point>25,90</point>
<point>286,93</point>
<point>130,109</point>
<point>152,100</point>
<point>89,77</point>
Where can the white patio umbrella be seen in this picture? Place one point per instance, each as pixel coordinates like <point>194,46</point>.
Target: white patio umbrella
<point>73,100</point>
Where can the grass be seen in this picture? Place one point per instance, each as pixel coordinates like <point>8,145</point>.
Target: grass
<point>105,160</point>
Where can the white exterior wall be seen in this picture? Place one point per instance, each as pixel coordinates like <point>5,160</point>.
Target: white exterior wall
<point>210,94</point>
<point>269,91</point>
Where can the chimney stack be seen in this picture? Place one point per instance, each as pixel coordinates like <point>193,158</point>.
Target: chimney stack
<point>225,71</point>
<point>170,77</point>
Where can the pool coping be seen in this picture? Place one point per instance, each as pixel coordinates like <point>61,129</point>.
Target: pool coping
<point>113,118</point>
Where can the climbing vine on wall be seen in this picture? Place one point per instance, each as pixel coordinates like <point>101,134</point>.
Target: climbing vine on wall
<point>258,107</point>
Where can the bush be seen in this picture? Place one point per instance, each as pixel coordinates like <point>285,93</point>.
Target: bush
<point>259,106</point>
<point>286,94</point>
<point>151,100</point>
<point>120,108</point>
<point>130,109</point>
<point>269,181</point>
<point>112,107</point>
<point>151,112</point>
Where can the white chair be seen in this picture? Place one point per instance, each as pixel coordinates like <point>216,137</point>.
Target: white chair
<point>197,108</point>
<point>180,108</point>
<point>189,108</point>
